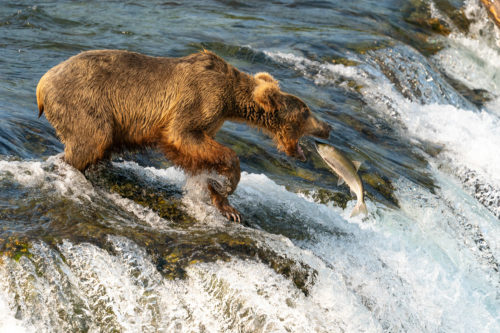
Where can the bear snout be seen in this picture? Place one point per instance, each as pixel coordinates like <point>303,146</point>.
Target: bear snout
<point>317,128</point>
<point>324,133</point>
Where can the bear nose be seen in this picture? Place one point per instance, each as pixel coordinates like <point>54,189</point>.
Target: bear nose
<point>317,128</point>
<point>324,132</point>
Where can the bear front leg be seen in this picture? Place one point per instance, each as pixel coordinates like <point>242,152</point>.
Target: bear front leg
<point>198,153</point>
<point>220,201</point>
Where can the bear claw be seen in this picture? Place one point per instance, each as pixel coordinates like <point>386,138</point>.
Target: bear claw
<point>232,214</point>
<point>219,199</point>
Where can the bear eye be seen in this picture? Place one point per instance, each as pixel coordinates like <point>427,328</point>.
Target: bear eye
<point>288,128</point>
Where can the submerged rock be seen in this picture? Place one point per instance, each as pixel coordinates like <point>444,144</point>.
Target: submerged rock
<point>478,97</point>
<point>341,61</point>
<point>325,196</point>
<point>173,253</point>
<point>208,246</point>
<point>456,15</point>
<point>14,247</point>
<point>420,13</point>
<point>164,199</point>
<point>434,24</point>
<point>181,241</point>
<point>382,185</point>
<point>377,188</point>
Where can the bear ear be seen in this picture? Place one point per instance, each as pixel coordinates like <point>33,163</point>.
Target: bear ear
<point>265,77</point>
<point>268,96</point>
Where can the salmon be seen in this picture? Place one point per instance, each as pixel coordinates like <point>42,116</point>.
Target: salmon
<point>347,171</point>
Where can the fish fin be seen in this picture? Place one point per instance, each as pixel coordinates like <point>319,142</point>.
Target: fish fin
<point>359,208</point>
<point>357,164</point>
<point>340,181</point>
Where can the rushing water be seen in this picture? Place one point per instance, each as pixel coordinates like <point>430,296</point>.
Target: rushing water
<point>411,88</point>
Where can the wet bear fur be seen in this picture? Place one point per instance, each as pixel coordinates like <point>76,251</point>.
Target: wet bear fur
<point>102,100</point>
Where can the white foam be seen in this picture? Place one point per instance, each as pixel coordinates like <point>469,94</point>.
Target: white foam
<point>8,322</point>
<point>266,301</point>
<point>59,179</point>
<point>171,175</point>
<point>473,62</point>
<point>436,13</point>
<point>418,254</point>
<point>473,58</point>
<point>363,259</point>
<point>126,292</point>
<point>35,289</point>
<point>414,269</point>
<point>482,27</point>
<point>494,106</point>
<point>51,175</point>
<point>434,240</point>
<point>123,291</point>
<point>472,138</point>
<point>321,73</point>
<point>143,214</point>
<point>195,198</point>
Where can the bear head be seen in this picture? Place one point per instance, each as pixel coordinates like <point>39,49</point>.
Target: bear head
<point>286,117</point>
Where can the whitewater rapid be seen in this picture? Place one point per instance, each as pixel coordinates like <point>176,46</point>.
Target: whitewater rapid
<point>418,268</point>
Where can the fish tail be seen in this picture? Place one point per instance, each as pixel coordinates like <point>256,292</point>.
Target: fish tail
<point>359,208</point>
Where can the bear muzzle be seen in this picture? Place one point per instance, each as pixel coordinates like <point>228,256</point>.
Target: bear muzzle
<point>317,128</point>
<point>314,127</point>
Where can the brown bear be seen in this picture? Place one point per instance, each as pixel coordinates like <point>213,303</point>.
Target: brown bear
<point>101,100</point>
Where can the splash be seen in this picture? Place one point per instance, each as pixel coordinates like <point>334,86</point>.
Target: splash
<point>397,270</point>
<point>8,321</point>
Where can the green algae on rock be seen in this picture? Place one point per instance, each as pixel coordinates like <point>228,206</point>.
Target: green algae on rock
<point>325,196</point>
<point>14,247</point>
<point>382,186</point>
<point>172,249</point>
<point>343,61</point>
<point>419,12</point>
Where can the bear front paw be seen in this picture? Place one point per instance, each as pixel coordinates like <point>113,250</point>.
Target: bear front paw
<point>230,213</point>
<point>219,190</point>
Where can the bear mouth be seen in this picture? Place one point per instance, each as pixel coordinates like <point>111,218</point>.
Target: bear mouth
<point>292,148</point>
<point>300,153</point>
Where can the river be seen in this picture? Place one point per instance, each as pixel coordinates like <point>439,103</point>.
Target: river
<point>411,89</point>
